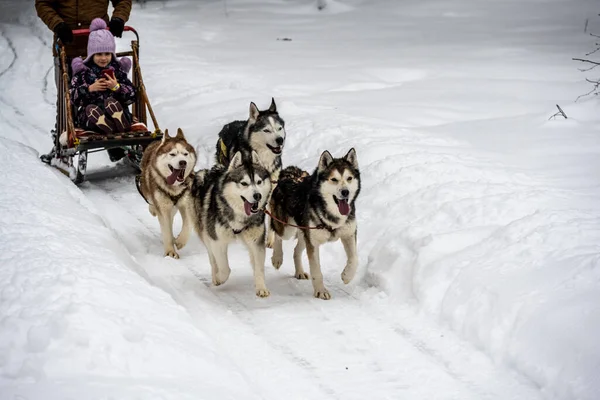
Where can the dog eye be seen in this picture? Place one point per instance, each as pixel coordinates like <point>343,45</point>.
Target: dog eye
<point>259,182</point>
<point>349,178</point>
<point>280,128</point>
<point>243,183</point>
<point>335,180</point>
<point>172,154</point>
<point>265,130</point>
<point>185,154</point>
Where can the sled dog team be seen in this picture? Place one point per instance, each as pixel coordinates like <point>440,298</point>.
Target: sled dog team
<point>229,201</point>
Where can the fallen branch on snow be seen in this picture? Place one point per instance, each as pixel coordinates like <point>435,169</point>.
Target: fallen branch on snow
<point>560,112</point>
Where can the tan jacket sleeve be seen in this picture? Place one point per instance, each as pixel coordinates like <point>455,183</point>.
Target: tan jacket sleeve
<point>45,10</point>
<point>122,9</point>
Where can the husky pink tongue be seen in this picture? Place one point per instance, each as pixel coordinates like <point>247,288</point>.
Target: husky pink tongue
<point>247,207</point>
<point>173,177</point>
<point>344,207</point>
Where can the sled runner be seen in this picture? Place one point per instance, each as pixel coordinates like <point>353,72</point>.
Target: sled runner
<point>73,144</point>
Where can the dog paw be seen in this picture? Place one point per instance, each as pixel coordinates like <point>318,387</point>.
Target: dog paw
<point>301,275</point>
<point>221,277</point>
<point>264,292</point>
<point>277,260</point>
<point>171,253</point>
<point>180,243</point>
<point>322,294</point>
<point>348,274</point>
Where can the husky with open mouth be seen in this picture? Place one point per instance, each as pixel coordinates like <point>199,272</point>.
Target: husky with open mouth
<point>316,209</point>
<point>263,132</point>
<point>165,183</point>
<point>229,204</point>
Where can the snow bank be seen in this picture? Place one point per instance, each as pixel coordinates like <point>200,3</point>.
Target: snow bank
<point>474,206</point>
<point>78,320</point>
<point>509,261</point>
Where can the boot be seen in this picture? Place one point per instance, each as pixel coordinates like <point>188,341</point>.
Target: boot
<point>115,110</point>
<point>96,118</point>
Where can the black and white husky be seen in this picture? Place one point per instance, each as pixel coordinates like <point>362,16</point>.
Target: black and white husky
<point>322,205</point>
<point>229,202</point>
<point>263,132</point>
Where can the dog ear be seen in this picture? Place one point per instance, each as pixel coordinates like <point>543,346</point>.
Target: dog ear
<point>236,161</point>
<point>253,111</point>
<point>351,158</point>
<point>179,134</point>
<point>273,107</point>
<point>325,160</point>
<point>166,135</point>
<point>255,159</point>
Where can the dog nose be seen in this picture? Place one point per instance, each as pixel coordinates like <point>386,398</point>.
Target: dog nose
<point>257,196</point>
<point>279,140</point>
<point>182,163</point>
<point>345,192</point>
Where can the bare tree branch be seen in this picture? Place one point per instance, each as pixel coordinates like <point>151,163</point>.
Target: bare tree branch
<point>590,65</point>
<point>587,69</point>
<point>593,51</point>
<point>587,61</point>
<point>594,89</point>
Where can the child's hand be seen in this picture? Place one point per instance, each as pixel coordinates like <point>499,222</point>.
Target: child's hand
<point>111,82</point>
<point>99,86</point>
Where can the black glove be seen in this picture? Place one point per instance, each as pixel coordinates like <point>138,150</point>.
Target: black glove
<point>116,26</point>
<point>64,33</point>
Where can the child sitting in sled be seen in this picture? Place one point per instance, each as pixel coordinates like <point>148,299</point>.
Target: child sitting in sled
<point>100,88</point>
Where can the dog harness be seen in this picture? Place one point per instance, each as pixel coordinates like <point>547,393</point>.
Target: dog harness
<point>238,231</point>
<point>223,158</point>
<point>322,225</point>
<point>138,186</point>
<point>174,199</point>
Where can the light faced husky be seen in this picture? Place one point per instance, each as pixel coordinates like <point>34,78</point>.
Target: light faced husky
<point>229,203</point>
<point>263,132</point>
<point>323,201</point>
<point>165,183</point>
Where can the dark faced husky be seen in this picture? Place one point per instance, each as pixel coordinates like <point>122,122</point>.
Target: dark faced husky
<point>322,207</point>
<point>229,203</point>
<point>263,132</point>
<point>165,183</point>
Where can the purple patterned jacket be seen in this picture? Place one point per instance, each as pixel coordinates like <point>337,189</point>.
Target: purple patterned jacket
<point>86,74</point>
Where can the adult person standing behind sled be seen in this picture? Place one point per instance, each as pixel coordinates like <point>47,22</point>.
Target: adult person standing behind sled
<point>62,16</point>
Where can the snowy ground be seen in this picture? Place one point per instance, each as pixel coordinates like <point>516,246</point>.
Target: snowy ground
<point>479,220</point>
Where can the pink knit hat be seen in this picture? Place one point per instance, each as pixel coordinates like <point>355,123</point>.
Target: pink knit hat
<point>100,40</point>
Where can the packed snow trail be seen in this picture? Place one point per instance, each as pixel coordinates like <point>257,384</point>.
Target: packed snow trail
<point>346,348</point>
<point>478,216</point>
